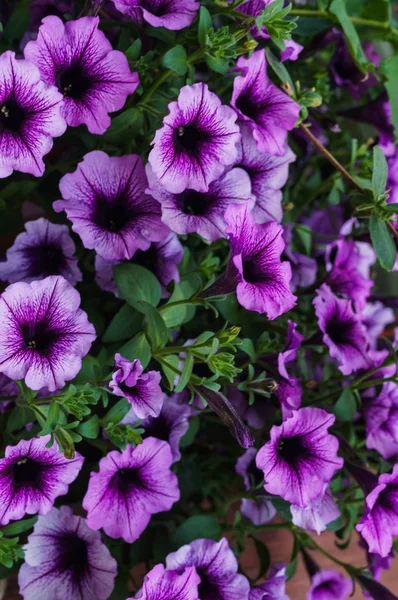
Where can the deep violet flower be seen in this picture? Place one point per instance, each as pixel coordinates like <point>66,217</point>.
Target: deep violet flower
<point>78,58</point>
<point>381,417</point>
<point>254,8</point>
<point>268,174</point>
<point>44,8</point>
<point>8,387</point>
<point>380,522</point>
<point>260,510</point>
<point>201,212</point>
<point>344,71</point>
<point>376,316</point>
<point>255,270</point>
<point>44,333</point>
<point>198,140</point>
<point>129,488</point>
<point>217,568</point>
<point>304,268</point>
<point>105,200</point>
<point>171,424</point>
<point>171,14</point>
<point>300,457</point>
<point>274,587</point>
<point>329,585</point>
<point>161,258</point>
<point>168,585</point>
<point>292,50</point>
<point>66,559</point>
<point>30,117</point>
<point>268,111</point>
<point>141,389</point>
<point>344,334</point>
<point>32,477</point>
<point>318,514</point>
<point>376,590</point>
<point>43,249</point>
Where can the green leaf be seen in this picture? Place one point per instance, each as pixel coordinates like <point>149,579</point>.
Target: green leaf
<point>389,68</point>
<point>126,323</point>
<point>137,284</point>
<point>139,348</point>
<point>19,417</point>
<point>18,22</point>
<point>18,527</point>
<point>198,526</point>
<point>263,556</point>
<point>188,438</point>
<point>279,69</point>
<point>205,24</point>
<point>124,126</point>
<point>90,428</point>
<point>345,407</point>
<point>134,50</point>
<point>380,172</point>
<point>155,327</point>
<point>186,373</point>
<point>338,9</point>
<point>175,315</point>
<point>170,374</point>
<point>52,419</point>
<point>176,60</point>
<point>117,412</point>
<point>218,64</point>
<point>382,242</point>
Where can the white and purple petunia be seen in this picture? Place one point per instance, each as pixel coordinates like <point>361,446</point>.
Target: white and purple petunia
<point>201,212</point>
<point>141,389</point>
<point>327,584</point>
<point>380,522</point>
<point>197,142</point>
<point>66,559</point>
<point>160,584</point>
<point>77,57</point>
<point>381,417</point>
<point>171,14</point>
<point>129,488</point>
<point>344,333</point>
<point>32,477</point>
<point>106,201</point>
<point>275,586</point>
<point>318,514</point>
<point>268,174</point>
<point>30,117</point>
<point>44,333</point>
<point>217,567</point>
<point>43,249</point>
<point>268,111</point>
<point>300,457</point>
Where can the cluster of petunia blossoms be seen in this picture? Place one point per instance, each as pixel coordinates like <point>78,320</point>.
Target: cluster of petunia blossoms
<point>197,336</point>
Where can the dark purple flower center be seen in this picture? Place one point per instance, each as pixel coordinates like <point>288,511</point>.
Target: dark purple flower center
<point>292,449</point>
<point>26,472</point>
<point>156,7</point>
<point>158,428</point>
<point>338,331</point>
<point>45,260</point>
<point>332,588</point>
<point>73,555</point>
<point>146,258</point>
<point>112,214</point>
<point>188,138</point>
<point>247,105</point>
<point>253,272</point>
<point>38,336</point>
<point>73,81</point>
<point>126,479</point>
<point>12,115</point>
<point>256,476</point>
<point>192,203</point>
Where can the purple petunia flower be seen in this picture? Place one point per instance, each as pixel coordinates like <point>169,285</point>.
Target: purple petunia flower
<point>105,200</point>
<point>43,249</point>
<point>201,212</point>
<point>268,111</point>
<point>198,140</point>
<point>168,585</point>
<point>344,334</point>
<point>376,316</point>
<point>329,585</point>
<point>304,268</point>
<point>8,387</point>
<point>254,7</point>
<point>30,117</point>
<point>78,58</point>
<point>65,559</point>
<point>268,174</point>
<point>292,50</point>
<point>275,586</point>
<point>380,522</point>
<point>375,590</point>
<point>217,567</point>
<point>32,477</point>
<point>381,416</point>
<point>170,426</point>
<point>44,8</point>
<point>260,510</point>
<point>344,71</point>
<point>318,514</point>
<point>161,258</point>
<point>142,390</point>
<point>300,457</point>
<point>44,333</point>
<point>130,487</point>
<point>171,14</point>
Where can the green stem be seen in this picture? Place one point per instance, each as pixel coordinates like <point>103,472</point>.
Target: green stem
<point>181,302</point>
<point>345,566</point>
<point>358,381</point>
<point>306,12</point>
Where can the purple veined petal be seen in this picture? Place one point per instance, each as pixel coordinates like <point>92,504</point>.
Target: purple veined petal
<point>381,417</point>
<point>66,559</point>
<point>275,586</point>
<point>30,117</point>
<point>45,334</point>
<point>300,457</point>
<point>78,58</point>
<point>268,111</point>
<point>197,142</point>
<point>318,514</point>
<point>43,249</point>
<point>376,316</point>
<point>160,584</point>
<point>258,511</point>
<point>129,488</point>
<point>171,14</point>
<point>329,585</point>
<point>105,200</point>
